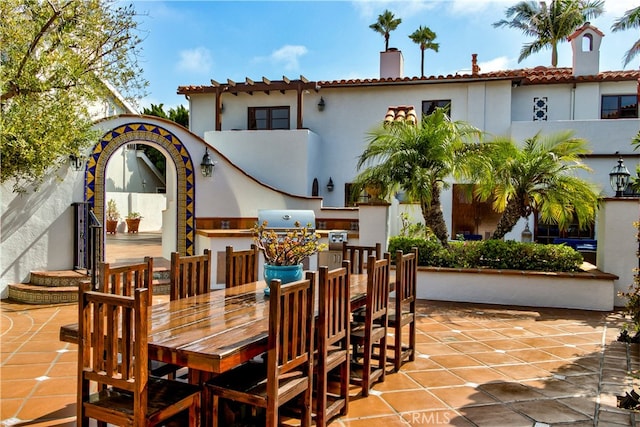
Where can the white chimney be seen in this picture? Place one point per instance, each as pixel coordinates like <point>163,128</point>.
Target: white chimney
<point>585,43</point>
<point>391,64</point>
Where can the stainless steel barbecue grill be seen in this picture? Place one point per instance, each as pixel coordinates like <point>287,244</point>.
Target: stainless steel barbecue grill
<point>281,220</point>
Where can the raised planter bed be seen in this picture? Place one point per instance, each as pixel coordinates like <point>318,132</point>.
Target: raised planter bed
<point>589,290</point>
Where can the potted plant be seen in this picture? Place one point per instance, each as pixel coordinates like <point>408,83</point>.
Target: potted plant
<point>284,253</point>
<point>112,216</point>
<point>133,221</point>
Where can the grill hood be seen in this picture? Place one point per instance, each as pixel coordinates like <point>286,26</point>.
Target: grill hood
<point>285,219</point>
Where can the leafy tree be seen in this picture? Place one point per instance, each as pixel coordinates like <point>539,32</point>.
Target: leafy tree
<point>155,110</point>
<point>536,177</point>
<point>630,19</point>
<point>179,114</point>
<point>424,37</point>
<point>386,23</point>
<point>549,24</point>
<point>56,58</point>
<point>416,159</point>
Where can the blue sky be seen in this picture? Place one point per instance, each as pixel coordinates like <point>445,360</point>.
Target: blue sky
<point>192,42</point>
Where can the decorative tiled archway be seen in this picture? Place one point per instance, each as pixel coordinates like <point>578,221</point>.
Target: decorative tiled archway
<point>155,135</point>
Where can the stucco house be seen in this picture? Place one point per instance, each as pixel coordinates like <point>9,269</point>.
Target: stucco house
<point>294,144</point>
<point>288,133</point>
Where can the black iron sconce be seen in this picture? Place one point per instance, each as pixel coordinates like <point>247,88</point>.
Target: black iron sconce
<point>76,162</point>
<point>207,164</point>
<point>330,185</point>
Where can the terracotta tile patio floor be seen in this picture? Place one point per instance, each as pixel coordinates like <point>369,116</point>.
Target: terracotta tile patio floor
<point>477,365</point>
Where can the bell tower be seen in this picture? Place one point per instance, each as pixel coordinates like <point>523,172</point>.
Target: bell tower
<point>585,44</point>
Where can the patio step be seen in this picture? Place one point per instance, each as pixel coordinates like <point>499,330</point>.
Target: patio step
<point>61,286</point>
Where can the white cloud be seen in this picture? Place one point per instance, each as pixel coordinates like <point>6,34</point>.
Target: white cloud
<point>288,55</point>
<point>617,8</point>
<point>370,9</point>
<point>496,64</point>
<point>197,60</point>
<point>467,7</point>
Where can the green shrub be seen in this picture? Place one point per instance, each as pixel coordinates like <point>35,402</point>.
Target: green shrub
<point>495,254</point>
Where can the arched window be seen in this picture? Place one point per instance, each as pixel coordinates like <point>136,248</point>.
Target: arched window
<point>587,43</point>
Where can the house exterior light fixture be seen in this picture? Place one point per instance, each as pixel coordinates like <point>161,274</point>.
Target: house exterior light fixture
<point>321,104</point>
<point>76,162</point>
<point>330,185</point>
<point>207,164</point>
<point>619,177</point>
<point>526,236</point>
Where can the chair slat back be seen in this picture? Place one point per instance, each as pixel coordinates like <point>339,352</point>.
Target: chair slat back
<point>291,327</point>
<point>406,275</point>
<point>124,279</point>
<point>377,288</point>
<point>358,255</point>
<point>333,306</point>
<point>241,266</point>
<point>190,275</point>
<point>113,344</point>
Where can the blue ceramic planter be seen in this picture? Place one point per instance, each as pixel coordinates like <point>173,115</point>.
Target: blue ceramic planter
<point>286,273</point>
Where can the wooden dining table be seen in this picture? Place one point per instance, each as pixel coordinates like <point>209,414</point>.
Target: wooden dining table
<point>217,331</point>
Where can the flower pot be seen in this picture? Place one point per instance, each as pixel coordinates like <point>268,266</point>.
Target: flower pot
<point>112,226</point>
<point>374,189</point>
<point>132,225</point>
<point>286,273</point>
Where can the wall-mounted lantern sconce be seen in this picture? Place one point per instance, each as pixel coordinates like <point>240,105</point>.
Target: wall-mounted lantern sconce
<point>619,178</point>
<point>76,162</point>
<point>221,108</point>
<point>526,236</point>
<point>321,104</point>
<point>207,164</point>
<point>330,185</point>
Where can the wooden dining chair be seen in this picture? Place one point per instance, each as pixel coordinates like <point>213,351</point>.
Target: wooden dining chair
<point>288,369</point>
<point>114,385</point>
<point>241,266</point>
<point>120,279</point>
<point>403,311</point>
<point>333,342</point>
<point>124,279</point>
<point>373,331</point>
<point>190,275</point>
<point>358,255</point>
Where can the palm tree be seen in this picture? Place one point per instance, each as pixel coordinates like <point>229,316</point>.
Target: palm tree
<point>549,24</point>
<point>630,19</point>
<point>386,23</point>
<point>424,37</point>
<point>416,159</point>
<point>537,177</point>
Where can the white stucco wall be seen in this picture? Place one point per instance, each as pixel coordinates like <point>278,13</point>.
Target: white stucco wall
<point>284,159</point>
<point>37,228</point>
<point>617,242</point>
<point>131,170</point>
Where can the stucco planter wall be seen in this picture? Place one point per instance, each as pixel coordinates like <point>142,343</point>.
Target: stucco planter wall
<point>583,290</point>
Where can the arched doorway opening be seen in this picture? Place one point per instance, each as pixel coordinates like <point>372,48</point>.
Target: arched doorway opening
<point>179,230</point>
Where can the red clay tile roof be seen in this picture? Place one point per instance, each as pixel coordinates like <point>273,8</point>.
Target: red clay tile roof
<point>400,113</point>
<point>525,76</point>
<point>579,31</point>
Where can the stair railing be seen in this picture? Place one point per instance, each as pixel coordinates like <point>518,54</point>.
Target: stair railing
<point>95,227</point>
